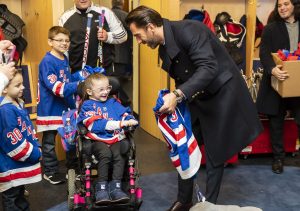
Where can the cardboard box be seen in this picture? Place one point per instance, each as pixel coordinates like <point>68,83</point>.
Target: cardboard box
<point>290,86</point>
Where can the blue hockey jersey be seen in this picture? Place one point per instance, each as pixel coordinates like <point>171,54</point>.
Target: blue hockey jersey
<point>177,131</point>
<point>56,89</point>
<point>19,147</point>
<point>94,115</point>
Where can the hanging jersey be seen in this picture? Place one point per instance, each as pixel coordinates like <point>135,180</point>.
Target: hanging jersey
<point>177,131</point>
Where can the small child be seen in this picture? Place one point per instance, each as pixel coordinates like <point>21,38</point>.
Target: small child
<point>19,148</point>
<point>104,118</point>
<point>56,91</point>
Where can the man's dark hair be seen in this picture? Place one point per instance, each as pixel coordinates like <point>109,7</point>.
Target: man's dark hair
<point>276,17</point>
<point>142,16</point>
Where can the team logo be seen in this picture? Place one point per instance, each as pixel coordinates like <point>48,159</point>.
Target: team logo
<point>52,78</point>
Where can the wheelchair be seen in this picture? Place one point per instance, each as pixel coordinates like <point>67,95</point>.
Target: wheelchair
<point>80,188</point>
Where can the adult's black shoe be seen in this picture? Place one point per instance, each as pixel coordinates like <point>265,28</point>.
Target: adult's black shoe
<point>177,206</point>
<point>277,166</point>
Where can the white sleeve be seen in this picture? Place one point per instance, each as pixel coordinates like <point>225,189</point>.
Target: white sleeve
<point>117,33</point>
<point>112,125</point>
<point>3,82</point>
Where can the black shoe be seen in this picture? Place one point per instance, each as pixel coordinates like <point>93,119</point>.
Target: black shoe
<point>178,206</point>
<point>55,178</point>
<point>277,166</point>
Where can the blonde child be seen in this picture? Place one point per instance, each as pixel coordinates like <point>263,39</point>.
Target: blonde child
<point>105,117</point>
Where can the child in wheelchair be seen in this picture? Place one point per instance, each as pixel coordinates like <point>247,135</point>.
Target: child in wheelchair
<point>105,119</point>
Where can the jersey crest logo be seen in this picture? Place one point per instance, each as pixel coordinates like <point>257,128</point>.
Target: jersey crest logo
<point>52,78</point>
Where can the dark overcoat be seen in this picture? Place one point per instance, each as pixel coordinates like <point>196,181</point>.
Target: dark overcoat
<point>275,36</point>
<point>224,116</point>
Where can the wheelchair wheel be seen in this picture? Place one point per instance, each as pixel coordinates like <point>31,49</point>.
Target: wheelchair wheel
<point>71,188</point>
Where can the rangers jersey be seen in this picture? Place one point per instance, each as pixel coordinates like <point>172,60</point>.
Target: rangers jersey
<point>177,131</point>
<point>95,115</point>
<point>19,147</point>
<point>56,89</point>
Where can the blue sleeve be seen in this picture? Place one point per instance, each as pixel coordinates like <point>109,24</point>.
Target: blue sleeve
<point>14,138</point>
<point>124,113</point>
<point>90,119</point>
<point>50,77</point>
<point>79,76</point>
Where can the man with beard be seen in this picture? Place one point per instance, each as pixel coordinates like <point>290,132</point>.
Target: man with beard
<point>223,113</point>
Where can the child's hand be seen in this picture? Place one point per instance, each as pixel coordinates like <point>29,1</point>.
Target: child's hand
<point>131,122</point>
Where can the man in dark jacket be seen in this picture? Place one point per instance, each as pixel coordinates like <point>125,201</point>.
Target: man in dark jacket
<point>223,114</point>
<point>282,33</point>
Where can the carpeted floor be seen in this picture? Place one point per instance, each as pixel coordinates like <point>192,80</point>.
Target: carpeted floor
<point>242,185</point>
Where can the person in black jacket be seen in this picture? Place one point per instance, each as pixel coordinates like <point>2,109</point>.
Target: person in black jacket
<point>281,33</point>
<point>223,114</point>
<point>123,53</point>
<point>75,20</point>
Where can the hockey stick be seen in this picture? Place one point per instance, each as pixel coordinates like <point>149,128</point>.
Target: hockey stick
<point>100,45</point>
<point>87,38</point>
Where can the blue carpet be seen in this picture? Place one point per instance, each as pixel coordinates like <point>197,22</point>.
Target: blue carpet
<point>242,185</point>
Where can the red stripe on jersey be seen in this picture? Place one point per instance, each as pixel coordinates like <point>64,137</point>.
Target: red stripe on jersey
<point>181,134</point>
<point>58,88</point>
<point>107,141</point>
<point>91,120</point>
<point>193,146</point>
<point>49,122</point>
<point>20,175</point>
<point>166,127</point>
<point>22,153</point>
<point>191,149</point>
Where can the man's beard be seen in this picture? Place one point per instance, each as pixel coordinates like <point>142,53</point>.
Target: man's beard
<point>153,43</point>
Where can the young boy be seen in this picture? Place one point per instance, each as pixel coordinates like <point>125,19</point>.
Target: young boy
<point>19,148</point>
<point>56,90</point>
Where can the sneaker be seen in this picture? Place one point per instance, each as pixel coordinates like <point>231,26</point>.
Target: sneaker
<point>26,193</point>
<point>54,179</point>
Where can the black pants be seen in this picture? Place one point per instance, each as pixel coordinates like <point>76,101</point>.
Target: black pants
<point>214,176</point>
<point>13,199</point>
<point>277,125</point>
<point>50,162</point>
<point>107,156</point>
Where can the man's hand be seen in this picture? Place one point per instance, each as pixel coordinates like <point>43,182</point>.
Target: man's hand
<point>8,70</point>
<point>169,103</point>
<point>280,74</point>
<point>102,35</point>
